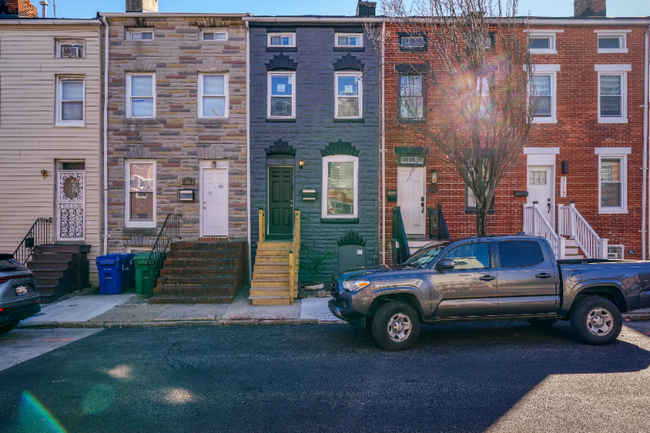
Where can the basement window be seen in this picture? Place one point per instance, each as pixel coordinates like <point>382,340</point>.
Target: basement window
<point>616,252</point>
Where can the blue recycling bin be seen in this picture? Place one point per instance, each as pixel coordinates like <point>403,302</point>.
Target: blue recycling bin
<point>110,274</point>
<point>128,270</point>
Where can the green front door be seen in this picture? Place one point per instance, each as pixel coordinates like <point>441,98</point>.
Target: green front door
<point>280,201</point>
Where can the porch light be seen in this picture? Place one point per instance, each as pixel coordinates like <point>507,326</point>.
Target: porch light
<point>44,173</point>
<point>434,176</point>
<point>301,164</point>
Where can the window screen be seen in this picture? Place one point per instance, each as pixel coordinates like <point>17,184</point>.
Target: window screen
<point>519,254</point>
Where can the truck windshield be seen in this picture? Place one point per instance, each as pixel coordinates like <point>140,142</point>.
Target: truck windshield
<point>424,256</point>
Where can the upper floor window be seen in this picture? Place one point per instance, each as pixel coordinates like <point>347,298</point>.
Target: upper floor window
<point>349,95</point>
<point>340,186</point>
<point>543,41</point>
<point>213,95</point>
<point>353,40</point>
<point>612,93</point>
<point>412,42</point>
<point>612,176</point>
<point>281,96</point>
<point>70,49</point>
<point>543,92</point>
<point>411,97</point>
<point>141,95</point>
<point>281,40</point>
<point>141,34</point>
<point>214,35</point>
<point>612,41</point>
<point>70,101</point>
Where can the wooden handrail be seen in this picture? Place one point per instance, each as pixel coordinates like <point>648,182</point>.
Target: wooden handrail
<point>262,226</point>
<point>294,256</point>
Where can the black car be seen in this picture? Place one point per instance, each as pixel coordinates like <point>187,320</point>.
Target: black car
<point>19,298</point>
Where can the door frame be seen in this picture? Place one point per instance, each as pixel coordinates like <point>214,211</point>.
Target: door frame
<point>543,157</point>
<point>424,194</point>
<point>220,164</point>
<point>268,195</point>
<point>57,221</point>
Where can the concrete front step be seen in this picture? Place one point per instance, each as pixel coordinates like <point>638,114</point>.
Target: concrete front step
<point>574,257</point>
<point>48,266</point>
<point>171,299</point>
<point>270,300</point>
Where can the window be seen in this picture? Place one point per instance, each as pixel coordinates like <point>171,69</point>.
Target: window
<point>281,40</point>
<point>612,93</point>
<point>470,201</point>
<point>140,89</point>
<point>340,185</point>
<point>411,97</point>
<point>412,42</point>
<point>542,41</point>
<point>141,35</point>
<point>487,104</point>
<point>70,49</point>
<point>612,41</point>
<point>141,194</point>
<point>616,252</point>
<point>353,40</point>
<point>349,95</point>
<point>281,95</point>
<point>214,35</point>
<point>490,41</point>
<point>519,254</point>
<point>70,101</point>
<point>543,92</point>
<point>213,95</point>
<point>612,175</point>
<point>470,256</point>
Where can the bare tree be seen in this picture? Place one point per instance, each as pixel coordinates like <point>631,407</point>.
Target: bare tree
<point>471,59</point>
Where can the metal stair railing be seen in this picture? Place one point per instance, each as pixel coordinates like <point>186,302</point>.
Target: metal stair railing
<point>437,224</point>
<point>169,230</point>
<point>399,244</point>
<point>39,234</point>
<point>572,224</point>
<point>535,224</point>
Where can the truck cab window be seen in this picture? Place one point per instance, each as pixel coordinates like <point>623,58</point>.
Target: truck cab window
<point>518,254</point>
<point>471,256</point>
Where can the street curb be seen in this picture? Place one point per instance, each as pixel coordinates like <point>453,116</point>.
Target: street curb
<point>636,317</point>
<point>176,323</point>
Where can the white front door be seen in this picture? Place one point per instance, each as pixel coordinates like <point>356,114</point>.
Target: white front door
<point>214,190</point>
<point>540,189</point>
<point>70,205</point>
<point>410,198</point>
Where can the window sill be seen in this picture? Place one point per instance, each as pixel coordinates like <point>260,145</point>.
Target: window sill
<point>280,49</point>
<point>612,51</point>
<point>544,120</point>
<point>135,225</point>
<point>149,120</point>
<point>339,220</point>
<point>605,211</point>
<point>288,120</point>
<point>351,120</point>
<point>350,49</point>
<point>70,124</point>
<point>216,120</point>
<point>543,51</point>
<point>612,120</point>
<point>412,120</point>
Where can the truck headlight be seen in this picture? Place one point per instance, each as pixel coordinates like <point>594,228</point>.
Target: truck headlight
<point>355,285</point>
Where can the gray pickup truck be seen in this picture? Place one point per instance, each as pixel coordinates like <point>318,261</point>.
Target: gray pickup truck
<point>491,278</point>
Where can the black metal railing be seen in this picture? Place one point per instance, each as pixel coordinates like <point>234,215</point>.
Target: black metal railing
<point>169,230</point>
<point>399,244</point>
<point>437,225</point>
<point>39,234</point>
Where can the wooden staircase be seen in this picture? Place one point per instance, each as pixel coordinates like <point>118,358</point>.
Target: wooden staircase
<point>275,265</point>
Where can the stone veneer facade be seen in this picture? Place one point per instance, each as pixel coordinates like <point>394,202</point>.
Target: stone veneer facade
<point>177,139</point>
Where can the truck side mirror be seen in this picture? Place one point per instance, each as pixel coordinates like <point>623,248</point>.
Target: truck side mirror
<point>446,264</point>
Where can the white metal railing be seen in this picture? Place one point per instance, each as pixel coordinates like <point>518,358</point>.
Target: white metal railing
<point>535,224</point>
<point>570,223</point>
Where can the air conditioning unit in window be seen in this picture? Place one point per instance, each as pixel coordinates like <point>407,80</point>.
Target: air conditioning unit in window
<point>71,51</point>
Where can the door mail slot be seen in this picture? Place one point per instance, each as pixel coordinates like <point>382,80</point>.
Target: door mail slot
<point>186,195</point>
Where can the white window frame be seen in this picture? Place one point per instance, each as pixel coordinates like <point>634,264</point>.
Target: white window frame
<point>281,35</point>
<point>348,35</point>
<point>551,70</point>
<point>620,247</point>
<point>340,158</point>
<point>59,101</point>
<point>129,96</point>
<point>293,94</point>
<point>127,190</point>
<point>66,42</point>
<point>610,153</point>
<point>621,70</point>
<point>213,31</point>
<point>337,96</point>
<point>139,31</point>
<point>620,34</point>
<point>201,96</point>
<point>544,33</point>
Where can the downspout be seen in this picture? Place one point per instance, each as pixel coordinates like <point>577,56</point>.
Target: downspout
<point>105,134</point>
<point>248,152</point>
<point>646,89</point>
<point>383,143</point>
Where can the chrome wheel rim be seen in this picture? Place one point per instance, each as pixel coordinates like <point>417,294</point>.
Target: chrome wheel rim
<point>600,322</point>
<point>399,327</point>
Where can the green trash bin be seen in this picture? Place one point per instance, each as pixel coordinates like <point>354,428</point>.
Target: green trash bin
<point>142,280</point>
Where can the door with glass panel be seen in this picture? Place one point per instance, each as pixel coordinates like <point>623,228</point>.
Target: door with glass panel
<point>540,189</point>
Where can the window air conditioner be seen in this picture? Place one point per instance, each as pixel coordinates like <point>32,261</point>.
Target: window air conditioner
<point>71,51</point>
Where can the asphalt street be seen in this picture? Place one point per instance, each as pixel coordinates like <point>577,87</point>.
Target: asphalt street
<point>471,377</point>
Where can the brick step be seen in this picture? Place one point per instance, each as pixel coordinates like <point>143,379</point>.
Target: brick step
<point>271,275</point>
<point>54,257</point>
<point>197,281</point>
<point>187,254</point>
<point>269,291</point>
<point>272,252</point>
<point>266,260</point>
<point>171,299</point>
<point>206,246</point>
<point>194,290</point>
<point>194,272</point>
<point>271,267</point>
<point>270,300</point>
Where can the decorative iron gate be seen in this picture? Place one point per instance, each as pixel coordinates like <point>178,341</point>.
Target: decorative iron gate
<point>71,203</point>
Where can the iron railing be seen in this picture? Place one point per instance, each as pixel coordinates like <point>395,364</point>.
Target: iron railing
<point>399,244</point>
<point>39,234</point>
<point>169,230</point>
<point>437,224</point>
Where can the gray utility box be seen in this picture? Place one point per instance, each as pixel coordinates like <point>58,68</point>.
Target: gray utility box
<point>351,256</point>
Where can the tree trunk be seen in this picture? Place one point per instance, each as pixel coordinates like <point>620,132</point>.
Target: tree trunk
<point>481,221</point>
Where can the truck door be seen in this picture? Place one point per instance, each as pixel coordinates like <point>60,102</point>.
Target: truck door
<point>527,280</point>
<point>470,289</point>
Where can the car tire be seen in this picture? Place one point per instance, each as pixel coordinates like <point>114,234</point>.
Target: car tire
<point>396,326</point>
<point>542,323</point>
<point>596,320</point>
<point>7,327</point>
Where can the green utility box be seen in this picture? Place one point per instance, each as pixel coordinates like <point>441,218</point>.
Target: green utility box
<point>142,280</point>
<point>351,256</point>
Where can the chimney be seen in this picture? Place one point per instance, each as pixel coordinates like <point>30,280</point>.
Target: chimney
<point>366,9</point>
<point>589,8</point>
<point>44,4</point>
<point>19,9</point>
<point>142,5</point>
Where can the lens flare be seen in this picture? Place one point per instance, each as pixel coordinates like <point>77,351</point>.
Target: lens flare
<point>98,399</point>
<point>34,417</point>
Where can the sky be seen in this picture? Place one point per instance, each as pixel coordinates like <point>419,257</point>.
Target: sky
<point>89,8</point>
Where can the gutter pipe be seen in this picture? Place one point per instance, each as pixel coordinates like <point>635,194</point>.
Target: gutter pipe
<point>248,151</point>
<point>646,89</point>
<point>383,143</point>
<point>106,134</point>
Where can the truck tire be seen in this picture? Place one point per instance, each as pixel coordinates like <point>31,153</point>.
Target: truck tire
<point>396,326</point>
<point>596,320</point>
<point>542,323</point>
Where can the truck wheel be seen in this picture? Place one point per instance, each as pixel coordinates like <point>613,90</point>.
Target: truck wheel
<point>596,320</point>
<point>396,326</point>
<point>542,323</point>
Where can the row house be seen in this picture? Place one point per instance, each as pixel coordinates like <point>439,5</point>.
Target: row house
<point>50,167</point>
<point>584,160</point>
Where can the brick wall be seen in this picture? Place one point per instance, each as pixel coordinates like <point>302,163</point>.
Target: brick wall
<point>22,8</point>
